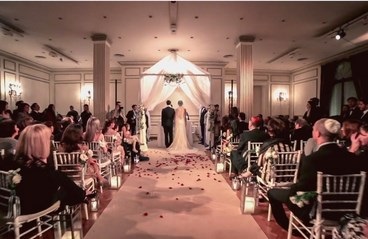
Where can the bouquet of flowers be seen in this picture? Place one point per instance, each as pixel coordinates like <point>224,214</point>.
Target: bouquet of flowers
<point>85,155</point>
<point>141,116</point>
<point>14,178</point>
<point>303,198</point>
<point>269,157</point>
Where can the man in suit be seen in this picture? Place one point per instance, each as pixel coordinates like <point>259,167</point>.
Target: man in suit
<point>363,106</point>
<point>355,112</point>
<point>131,119</point>
<point>254,135</point>
<point>201,122</point>
<point>167,122</point>
<point>329,158</point>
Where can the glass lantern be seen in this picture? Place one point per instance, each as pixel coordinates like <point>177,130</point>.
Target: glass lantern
<point>220,163</point>
<point>127,167</point>
<point>94,204</point>
<point>115,182</point>
<point>248,196</point>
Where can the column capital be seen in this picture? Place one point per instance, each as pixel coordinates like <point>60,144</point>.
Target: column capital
<point>245,39</point>
<point>100,37</point>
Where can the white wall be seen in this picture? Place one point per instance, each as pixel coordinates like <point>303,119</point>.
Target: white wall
<point>34,81</point>
<point>305,85</point>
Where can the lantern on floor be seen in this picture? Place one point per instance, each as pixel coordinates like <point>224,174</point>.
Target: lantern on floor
<point>115,182</point>
<point>127,167</point>
<point>236,183</point>
<point>220,163</point>
<point>94,204</point>
<point>248,196</point>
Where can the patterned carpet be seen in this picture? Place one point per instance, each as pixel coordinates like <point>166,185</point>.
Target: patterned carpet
<point>175,196</point>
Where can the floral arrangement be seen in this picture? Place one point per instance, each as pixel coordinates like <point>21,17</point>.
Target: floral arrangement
<point>267,172</point>
<point>303,198</point>
<point>141,116</point>
<point>85,155</point>
<point>173,78</point>
<point>14,178</point>
<point>271,155</point>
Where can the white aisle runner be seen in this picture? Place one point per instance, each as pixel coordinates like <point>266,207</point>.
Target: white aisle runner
<point>175,197</point>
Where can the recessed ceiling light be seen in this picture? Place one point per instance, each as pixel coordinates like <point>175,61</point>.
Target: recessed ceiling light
<point>283,20</point>
<point>191,37</point>
<point>155,37</point>
<point>119,55</point>
<point>227,38</point>
<point>41,57</point>
<point>119,37</point>
<point>228,56</point>
<point>16,19</point>
<point>324,22</point>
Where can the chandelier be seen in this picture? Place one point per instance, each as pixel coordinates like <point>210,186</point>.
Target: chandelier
<point>173,79</point>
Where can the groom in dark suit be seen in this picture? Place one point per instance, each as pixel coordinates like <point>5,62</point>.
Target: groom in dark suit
<point>167,122</point>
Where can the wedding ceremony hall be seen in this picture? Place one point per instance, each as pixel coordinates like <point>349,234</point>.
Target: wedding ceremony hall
<point>183,119</point>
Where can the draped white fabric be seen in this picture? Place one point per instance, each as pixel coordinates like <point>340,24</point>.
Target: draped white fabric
<point>195,83</point>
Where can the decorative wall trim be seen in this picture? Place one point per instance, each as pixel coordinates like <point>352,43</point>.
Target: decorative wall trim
<point>132,71</point>
<point>280,78</point>
<point>306,74</point>
<point>215,71</point>
<point>26,70</point>
<point>67,77</point>
<point>9,65</point>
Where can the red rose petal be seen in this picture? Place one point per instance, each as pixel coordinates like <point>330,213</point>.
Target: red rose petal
<point>161,216</point>
<point>147,193</point>
<point>145,214</point>
<point>140,187</point>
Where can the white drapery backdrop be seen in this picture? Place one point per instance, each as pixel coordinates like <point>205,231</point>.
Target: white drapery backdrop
<point>195,82</point>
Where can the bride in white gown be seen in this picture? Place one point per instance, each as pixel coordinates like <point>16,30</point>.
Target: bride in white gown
<point>180,143</point>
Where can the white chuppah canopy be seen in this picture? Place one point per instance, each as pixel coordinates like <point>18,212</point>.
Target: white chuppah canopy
<point>195,82</point>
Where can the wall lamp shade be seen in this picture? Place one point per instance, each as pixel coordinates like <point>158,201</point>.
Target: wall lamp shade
<point>340,34</point>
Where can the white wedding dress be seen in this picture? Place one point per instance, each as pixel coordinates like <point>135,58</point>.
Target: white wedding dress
<point>180,144</point>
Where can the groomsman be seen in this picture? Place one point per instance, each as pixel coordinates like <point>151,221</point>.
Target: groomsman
<point>202,123</point>
<point>167,122</point>
<point>132,119</point>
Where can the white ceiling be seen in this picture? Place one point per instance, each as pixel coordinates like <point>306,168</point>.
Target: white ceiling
<point>206,31</point>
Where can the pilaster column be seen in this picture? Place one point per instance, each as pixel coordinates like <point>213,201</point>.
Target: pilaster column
<point>101,75</point>
<point>245,74</point>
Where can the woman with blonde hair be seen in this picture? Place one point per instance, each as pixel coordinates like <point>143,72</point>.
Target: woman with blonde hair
<point>94,133</point>
<point>41,185</point>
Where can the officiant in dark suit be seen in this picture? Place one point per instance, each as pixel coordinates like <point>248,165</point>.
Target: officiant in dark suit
<point>167,122</point>
<point>201,122</point>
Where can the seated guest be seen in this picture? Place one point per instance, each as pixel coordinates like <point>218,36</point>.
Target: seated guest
<point>349,127</point>
<point>41,185</point>
<point>130,139</point>
<point>8,132</point>
<point>35,113</point>
<point>302,131</point>
<point>110,129</point>
<point>359,146</point>
<point>242,124</point>
<point>329,158</point>
<point>278,141</point>
<point>94,132</point>
<point>72,141</point>
<point>253,135</point>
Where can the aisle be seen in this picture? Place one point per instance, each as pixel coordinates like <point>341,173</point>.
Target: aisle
<point>174,197</point>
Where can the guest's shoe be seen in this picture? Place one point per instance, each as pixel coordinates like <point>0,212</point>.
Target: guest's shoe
<point>232,175</point>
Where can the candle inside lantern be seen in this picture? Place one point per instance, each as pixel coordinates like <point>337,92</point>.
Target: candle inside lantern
<point>94,205</point>
<point>126,168</point>
<point>214,157</point>
<point>249,205</point>
<point>219,167</point>
<point>115,182</point>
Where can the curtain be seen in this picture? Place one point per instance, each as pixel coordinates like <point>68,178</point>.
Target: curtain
<point>327,82</point>
<point>196,82</point>
<point>359,63</point>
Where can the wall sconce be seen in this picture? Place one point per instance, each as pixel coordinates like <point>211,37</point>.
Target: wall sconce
<point>15,90</point>
<point>281,96</point>
<point>89,96</point>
